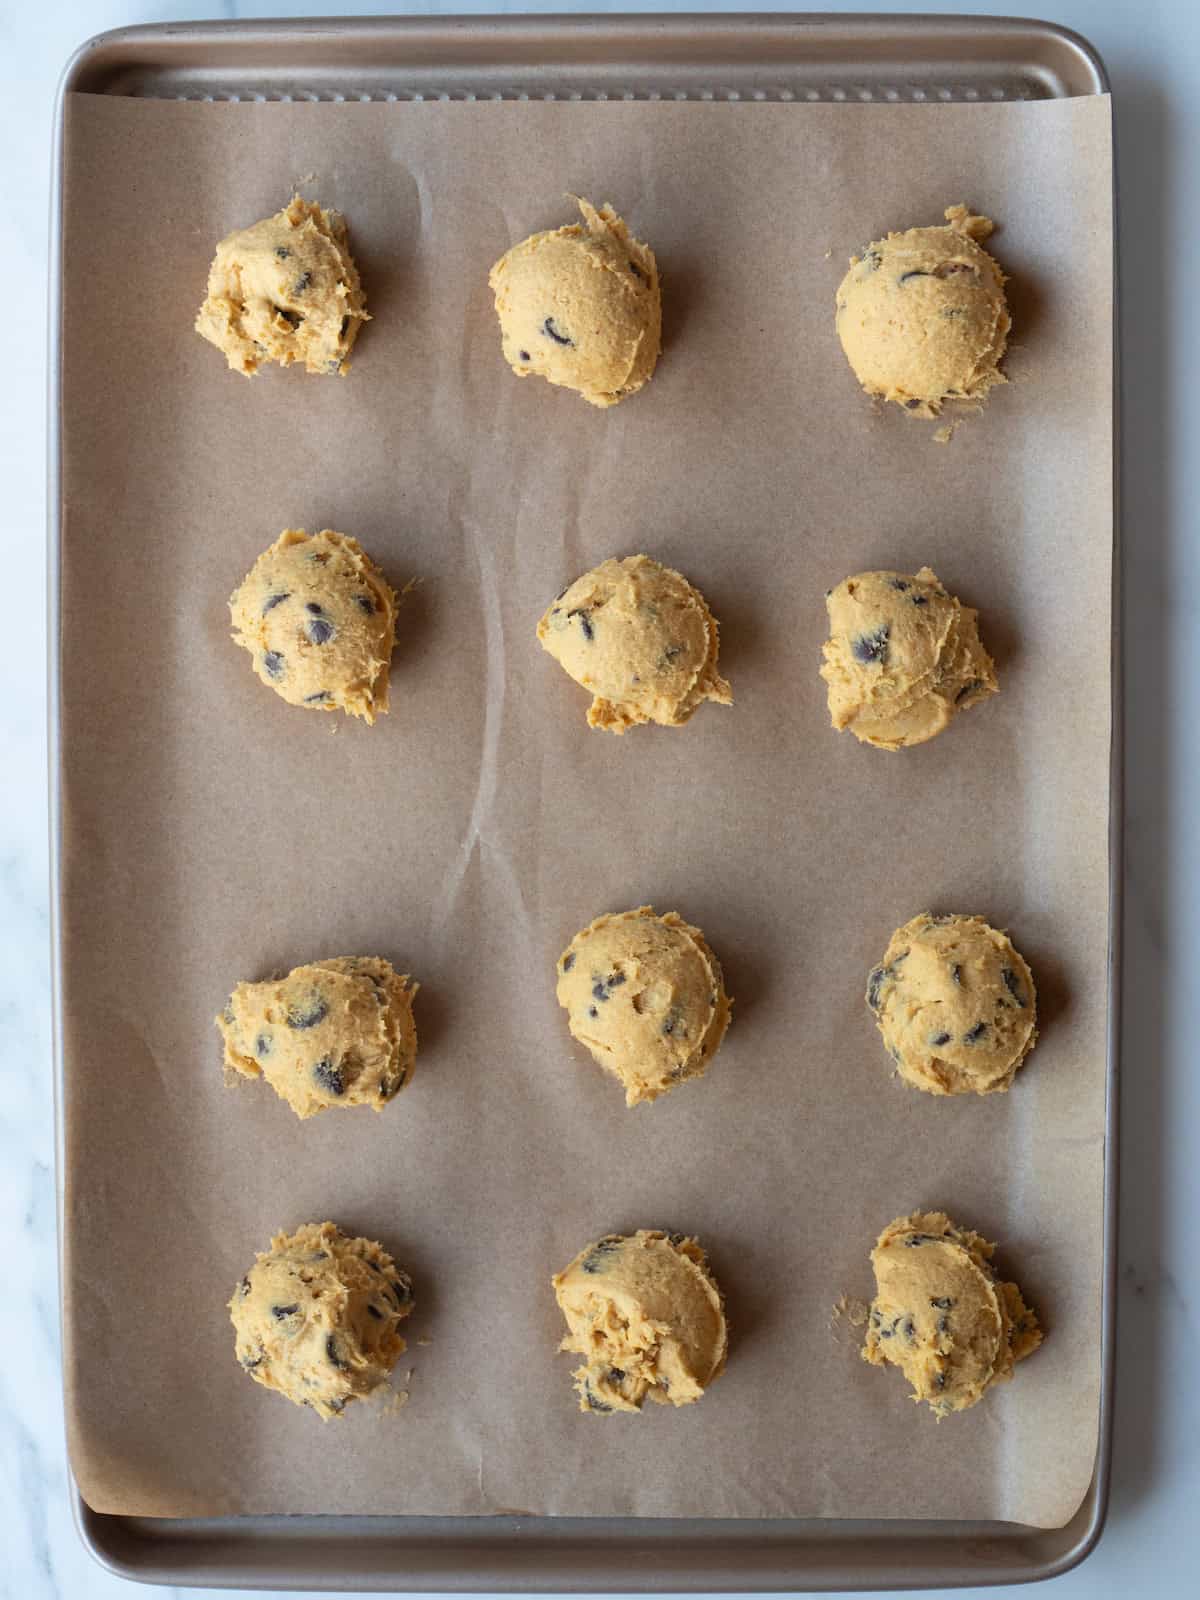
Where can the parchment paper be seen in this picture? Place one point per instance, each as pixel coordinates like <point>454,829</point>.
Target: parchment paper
<point>211,833</point>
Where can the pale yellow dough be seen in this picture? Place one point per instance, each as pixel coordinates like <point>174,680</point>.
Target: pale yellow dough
<point>646,1315</point>
<point>956,1005</point>
<point>319,620</point>
<point>285,290</point>
<point>922,315</point>
<point>581,307</point>
<point>903,658</point>
<point>941,1315</point>
<point>641,639</point>
<point>332,1033</point>
<point>646,995</point>
<point>317,1317</point>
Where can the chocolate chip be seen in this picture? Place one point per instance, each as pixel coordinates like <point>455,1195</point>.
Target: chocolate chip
<point>676,1239</point>
<point>262,1045</point>
<point>551,330</point>
<point>594,1403</point>
<point>1013,985</point>
<point>292,318</point>
<point>943,1325</point>
<point>313,608</point>
<point>599,992</point>
<point>870,258</point>
<point>375,1312</point>
<point>938,1039</point>
<point>250,1362</point>
<point>366,602</point>
<point>345,327</point>
<point>915,273</point>
<point>898,583</point>
<point>585,622</point>
<point>956,973</point>
<point>318,699</point>
<point>943,1302</point>
<point>282,251</point>
<point>912,405</point>
<point>320,630</point>
<point>594,1260</point>
<point>314,1010</point>
<point>616,980</point>
<point>334,1354</point>
<point>967,688</point>
<point>950,312</point>
<point>871,647</point>
<point>273,664</point>
<point>875,983</point>
<point>333,366</point>
<point>244,1286</point>
<point>568,961</point>
<point>281,1313</point>
<point>403,1287</point>
<point>616,1375</point>
<point>951,269</point>
<point>887,1333</point>
<point>637,271</point>
<point>302,283</point>
<point>911,1240</point>
<point>592,1012</point>
<point>973,1035</point>
<point>338,1406</point>
<point>329,1076</point>
<point>919,599</point>
<point>674,1018</point>
<point>939,1381</point>
<point>523,355</point>
<point>272,601</point>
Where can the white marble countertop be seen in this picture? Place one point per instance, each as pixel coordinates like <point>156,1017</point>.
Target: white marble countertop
<point>1152,50</point>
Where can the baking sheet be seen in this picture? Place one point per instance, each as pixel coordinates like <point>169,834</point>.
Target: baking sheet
<point>210,833</point>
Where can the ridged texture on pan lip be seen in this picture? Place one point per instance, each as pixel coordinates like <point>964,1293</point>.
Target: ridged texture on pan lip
<point>336,1033</point>
<point>922,315</point>
<point>641,639</point>
<point>648,1317</point>
<point>593,276</point>
<point>955,1003</point>
<point>904,657</point>
<point>317,1317</point>
<point>285,290</point>
<point>646,996</point>
<point>941,1314</point>
<point>318,619</point>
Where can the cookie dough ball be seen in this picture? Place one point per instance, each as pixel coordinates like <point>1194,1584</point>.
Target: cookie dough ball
<point>332,1033</point>
<point>319,620</point>
<point>903,658</point>
<point>581,307</point>
<point>646,996</point>
<point>955,1004</point>
<point>922,315</point>
<point>646,1315</point>
<point>641,639</point>
<point>285,290</point>
<point>941,1315</point>
<point>318,1315</point>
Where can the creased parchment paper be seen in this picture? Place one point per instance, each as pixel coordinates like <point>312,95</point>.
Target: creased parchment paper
<point>212,833</point>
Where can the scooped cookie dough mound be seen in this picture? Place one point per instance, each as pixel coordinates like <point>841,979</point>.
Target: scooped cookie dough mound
<point>581,307</point>
<point>646,1315</point>
<point>285,290</point>
<point>319,620</point>
<point>903,658</point>
<point>317,1317</point>
<point>332,1033</point>
<point>646,996</point>
<point>922,315</point>
<point>941,1315</point>
<point>641,638</point>
<point>955,1004</point>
